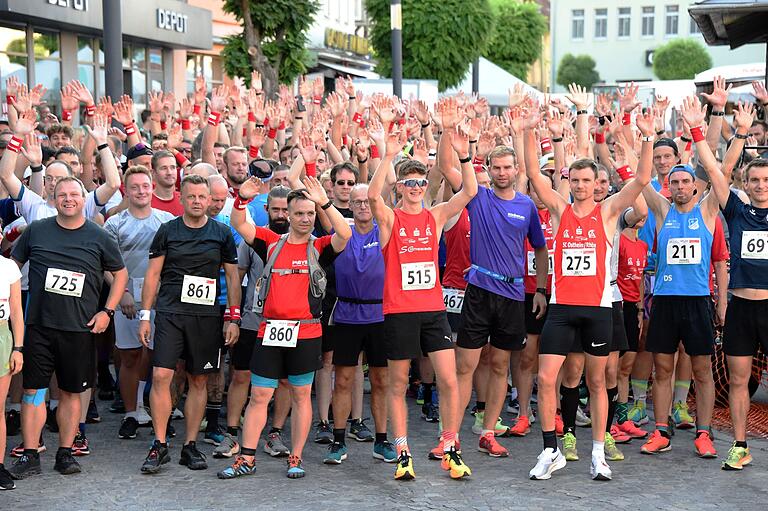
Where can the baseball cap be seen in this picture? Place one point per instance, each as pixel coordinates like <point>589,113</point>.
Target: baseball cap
<point>666,142</point>
<point>138,150</point>
<point>262,168</point>
<point>683,168</point>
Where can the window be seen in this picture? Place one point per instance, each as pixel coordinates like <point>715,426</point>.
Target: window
<point>577,24</point>
<point>142,71</point>
<point>694,30</point>
<point>48,64</point>
<point>672,17</point>
<point>211,67</point>
<point>648,22</point>
<point>625,21</point>
<point>601,23</point>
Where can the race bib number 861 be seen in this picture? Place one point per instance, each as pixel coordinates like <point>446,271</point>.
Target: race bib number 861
<point>199,290</point>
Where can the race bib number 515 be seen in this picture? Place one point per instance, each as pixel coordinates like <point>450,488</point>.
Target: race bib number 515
<point>64,282</point>
<point>418,276</point>
<point>199,290</point>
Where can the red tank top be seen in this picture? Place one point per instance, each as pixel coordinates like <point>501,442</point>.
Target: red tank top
<point>530,272</point>
<point>632,262</point>
<point>582,259</point>
<point>410,260</point>
<point>457,252</point>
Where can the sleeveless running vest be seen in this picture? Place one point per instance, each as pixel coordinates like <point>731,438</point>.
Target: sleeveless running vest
<point>457,252</point>
<point>530,259</point>
<point>684,248</point>
<point>411,279</point>
<point>360,280</point>
<point>582,259</point>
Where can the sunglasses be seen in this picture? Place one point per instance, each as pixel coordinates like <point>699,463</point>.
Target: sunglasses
<point>348,182</point>
<point>410,183</point>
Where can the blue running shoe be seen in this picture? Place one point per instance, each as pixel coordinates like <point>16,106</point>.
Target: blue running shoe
<point>385,452</point>
<point>337,453</point>
<point>241,467</point>
<point>295,470</point>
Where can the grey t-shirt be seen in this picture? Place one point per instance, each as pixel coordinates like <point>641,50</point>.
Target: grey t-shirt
<point>249,261</point>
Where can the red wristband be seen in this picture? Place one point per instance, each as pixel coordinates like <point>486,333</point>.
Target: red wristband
<point>14,144</point>
<point>344,140</point>
<point>357,117</point>
<point>186,124</point>
<point>546,146</point>
<point>90,110</point>
<point>477,160</point>
<point>688,146</point>
<point>374,151</point>
<point>227,316</point>
<point>253,151</point>
<point>317,100</point>
<point>272,133</point>
<point>214,118</point>
<point>234,312</point>
<point>181,160</point>
<point>599,138</point>
<point>10,99</point>
<point>239,203</point>
<point>697,134</point>
<point>266,121</point>
<point>163,125</point>
<point>130,129</point>
<point>66,115</point>
<point>251,117</point>
<point>311,169</point>
<point>196,109</point>
<point>281,126</point>
<point>625,173</point>
<point>626,119</point>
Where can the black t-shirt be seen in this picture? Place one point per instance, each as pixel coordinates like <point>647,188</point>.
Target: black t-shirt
<point>189,281</point>
<point>66,272</point>
<point>330,291</point>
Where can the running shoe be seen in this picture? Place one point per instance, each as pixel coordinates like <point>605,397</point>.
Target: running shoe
<point>227,448</point>
<point>437,453</point>
<point>18,451</point>
<point>599,470</point>
<point>241,467</point>
<point>612,453</point>
<point>404,469</point>
<point>25,466</point>
<point>431,413</point>
<point>569,447</point>
<point>203,425</point>
<point>65,463</point>
<point>656,444</point>
<point>275,447</point>
<point>704,446</point>
<point>142,417</point>
<point>385,452</point>
<point>92,416</point>
<point>582,420</point>
<point>214,437</point>
<point>738,457</point>
<point>638,413</point>
<point>628,428</point>
<point>559,426</point>
<point>12,422</point>
<point>513,405</point>
<point>118,405</point>
<point>359,431</point>
<point>619,436</point>
<point>453,464</point>
<point>337,452</point>
<point>80,446</point>
<point>295,470</point>
<point>500,429</point>
<point>522,427</point>
<point>323,433</point>
<point>420,395</point>
<point>6,481</point>
<point>548,461</point>
<point>158,456</point>
<point>490,446</point>
<point>128,428</point>
<point>192,458</point>
<point>177,414</point>
<point>681,417</point>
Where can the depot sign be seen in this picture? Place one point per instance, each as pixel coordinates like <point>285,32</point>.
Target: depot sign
<point>170,20</point>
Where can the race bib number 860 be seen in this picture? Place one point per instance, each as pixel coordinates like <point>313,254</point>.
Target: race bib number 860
<point>282,334</point>
<point>418,276</point>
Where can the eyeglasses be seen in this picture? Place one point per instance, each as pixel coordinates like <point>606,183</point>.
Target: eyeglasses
<point>348,182</point>
<point>52,179</point>
<point>410,183</point>
<point>361,203</point>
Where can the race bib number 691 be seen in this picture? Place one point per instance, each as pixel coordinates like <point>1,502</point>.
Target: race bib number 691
<point>754,245</point>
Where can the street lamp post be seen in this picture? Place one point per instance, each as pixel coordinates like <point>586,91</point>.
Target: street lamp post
<point>396,15</point>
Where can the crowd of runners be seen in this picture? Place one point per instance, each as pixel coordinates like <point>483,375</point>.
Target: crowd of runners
<point>554,259</point>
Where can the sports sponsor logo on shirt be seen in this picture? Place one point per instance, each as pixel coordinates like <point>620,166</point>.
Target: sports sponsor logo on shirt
<point>411,248</point>
<point>693,223</point>
<point>371,244</point>
<point>516,216</point>
<point>299,262</point>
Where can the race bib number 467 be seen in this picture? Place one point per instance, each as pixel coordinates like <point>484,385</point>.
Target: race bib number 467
<point>418,276</point>
<point>453,299</point>
<point>64,282</point>
<point>754,245</point>
<point>198,290</point>
<point>579,262</point>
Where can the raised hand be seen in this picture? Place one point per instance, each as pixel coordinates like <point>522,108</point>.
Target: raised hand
<point>744,115</point>
<point>485,144</point>
<point>219,98</point>
<point>555,124</point>
<point>760,92</point>
<point>314,191</point>
<point>395,141</point>
<point>661,103</point>
<point>646,122</point>
<point>200,89</point>
<point>26,123</point>
<point>628,97</point>
<point>99,129</point>
<point>578,96</point>
<point>69,102</point>
<point>307,148</point>
<point>384,107</point>
<point>105,107</point>
<point>32,150</point>
<point>460,139</point>
<point>448,112</point>
<point>12,85</point>
<point>250,188</point>
<point>693,111</point>
<point>336,103</point>
<point>81,92</point>
<point>124,110</point>
<point>155,101</point>
<point>421,111</point>
<point>185,108</point>
<point>256,81</point>
<point>258,137</point>
<point>174,136</point>
<point>719,96</point>
<point>602,104</point>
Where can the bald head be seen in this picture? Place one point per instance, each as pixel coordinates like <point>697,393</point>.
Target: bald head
<point>203,169</point>
<point>219,194</point>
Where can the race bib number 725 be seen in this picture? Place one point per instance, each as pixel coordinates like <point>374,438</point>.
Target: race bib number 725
<point>64,282</point>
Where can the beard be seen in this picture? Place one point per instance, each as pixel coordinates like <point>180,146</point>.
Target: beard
<point>278,226</point>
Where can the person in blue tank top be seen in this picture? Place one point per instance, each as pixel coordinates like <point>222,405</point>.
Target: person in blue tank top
<point>358,317</point>
<point>746,324</point>
<point>681,304</point>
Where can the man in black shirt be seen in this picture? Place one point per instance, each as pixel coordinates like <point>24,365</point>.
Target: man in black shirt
<point>184,260</point>
<point>67,257</point>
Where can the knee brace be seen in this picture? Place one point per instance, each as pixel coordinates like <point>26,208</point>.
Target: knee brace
<point>36,399</point>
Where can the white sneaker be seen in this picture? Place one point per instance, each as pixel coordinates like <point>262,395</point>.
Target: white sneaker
<point>549,461</point>
<point>600,471</point>
<point>142,417</point>
<point>582,420</point>
<point>177,414</point>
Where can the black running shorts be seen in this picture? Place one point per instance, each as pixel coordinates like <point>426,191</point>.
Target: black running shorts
<point>412,334</point>
<point>198,340</point>
<point>71,355</point>
<point>746,327</point>
<point>487,315</point>
<point>681,318</point>
<point>590,325</point>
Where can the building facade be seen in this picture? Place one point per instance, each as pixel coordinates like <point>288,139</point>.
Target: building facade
<point>621,36</point>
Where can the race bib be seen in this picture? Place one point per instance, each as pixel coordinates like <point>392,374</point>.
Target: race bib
<point>453,299</point>
<point>138,286</point>
<point>754,245</point>
<point>579,262</point>
<point>684,251</point>
<point>532,263</point>
<point>198,290</point>
<point>5,309</point>
<point>257,305</point>
<point>282,334</point>
<point>64,282</point>
<point>417,276</point>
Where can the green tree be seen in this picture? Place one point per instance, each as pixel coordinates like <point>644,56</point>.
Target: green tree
<point>680,59</point>
<point>516,42</point>
<point>579,69</point>
<point>441,38</point>
<point>273,41</point>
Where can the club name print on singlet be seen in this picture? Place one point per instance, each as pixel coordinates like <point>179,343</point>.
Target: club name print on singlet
<point>410,244</point>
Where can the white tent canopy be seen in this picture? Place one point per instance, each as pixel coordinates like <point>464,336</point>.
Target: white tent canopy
<point>495,83</point>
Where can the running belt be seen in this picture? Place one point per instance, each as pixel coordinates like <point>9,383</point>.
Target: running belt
<point>497,276</point>
<point>360,301</point>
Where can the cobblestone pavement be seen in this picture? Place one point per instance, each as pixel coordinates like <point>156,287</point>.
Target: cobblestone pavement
<point>673,480</point>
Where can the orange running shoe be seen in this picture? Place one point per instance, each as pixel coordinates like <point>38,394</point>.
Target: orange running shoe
<point>437,452</point>
<point>559,428</point>
<point>619,436</point>
<point>629,428</point>
<point>489,445</point>
<point>656,444</point>
<point>704,446</point>
<point>522,427</point>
